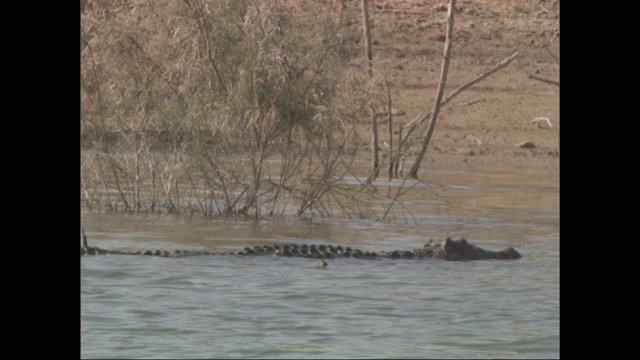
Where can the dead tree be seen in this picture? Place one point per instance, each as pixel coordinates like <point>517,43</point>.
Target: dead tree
<point>439,101</point>
<point>369,53</point>
<point>443,81</point>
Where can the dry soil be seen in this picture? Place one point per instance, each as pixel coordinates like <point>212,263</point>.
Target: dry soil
<point>488,123</point>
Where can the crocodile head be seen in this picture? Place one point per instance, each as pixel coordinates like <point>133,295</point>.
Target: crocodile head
<point>508,253</point>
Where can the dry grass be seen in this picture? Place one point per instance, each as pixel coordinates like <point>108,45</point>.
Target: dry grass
<point>185,105</point>
<point>244,108</point>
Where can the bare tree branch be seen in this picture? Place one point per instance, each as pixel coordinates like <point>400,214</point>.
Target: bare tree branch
<point>374,123</point>
<point>443,81</point>
<point>544,80</point>
<point>421,118</point>
<point>548,81</point>
<point>392,154</point>
<point>554,56</point>
<point>197,7</point>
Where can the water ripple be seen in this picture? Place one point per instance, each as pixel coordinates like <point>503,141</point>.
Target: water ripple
<point>288,307</point>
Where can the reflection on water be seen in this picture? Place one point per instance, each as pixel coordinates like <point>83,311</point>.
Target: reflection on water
<point>268,307</point>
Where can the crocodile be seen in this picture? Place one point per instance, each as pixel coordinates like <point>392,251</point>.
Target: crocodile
<point>449,249</point>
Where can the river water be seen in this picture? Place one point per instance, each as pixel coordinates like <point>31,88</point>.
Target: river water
<point>276,307</point>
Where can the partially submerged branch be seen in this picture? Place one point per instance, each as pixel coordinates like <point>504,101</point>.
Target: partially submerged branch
<point>369,54</point>
<point>392,154</point>
<point>443,82</point>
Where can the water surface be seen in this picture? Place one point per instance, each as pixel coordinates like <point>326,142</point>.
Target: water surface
<point>275,307</point>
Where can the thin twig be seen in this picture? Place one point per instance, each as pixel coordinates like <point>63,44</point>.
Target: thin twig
<point>555,57</point>
<point>548,81</point>
<point>471,102</point>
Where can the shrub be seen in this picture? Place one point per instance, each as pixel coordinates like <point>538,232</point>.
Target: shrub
<point>220,108</point>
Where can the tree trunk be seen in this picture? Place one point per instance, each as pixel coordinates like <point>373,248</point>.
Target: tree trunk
<point>400,155</point>
<point>367,38</point>
<point>393,158</point>
<point>443,81</point>
<point>375,166</point>
<point>369,53</point>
